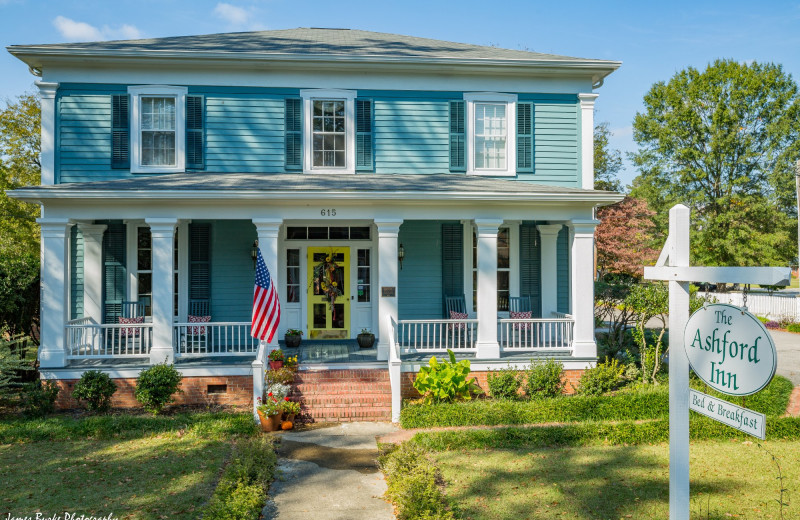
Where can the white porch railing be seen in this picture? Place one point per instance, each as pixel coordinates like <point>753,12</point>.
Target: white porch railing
<point>536,333</point>
<point>436,335</point>
<point>89,339</point>
<point>214,338</point>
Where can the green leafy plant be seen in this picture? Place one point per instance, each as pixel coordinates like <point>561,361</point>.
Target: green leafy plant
<point>446,381</point>
<point>156,385</point>
<point>504,383</point>
<point>544,379</point>
<point>793,327</point>
<point>602,378</point>
<point>271,405</point>
<point>39,398</point>
<point>289,407</point>
<point>96,388</point>
<point>276,355</point>
<point>284,376</point>
<point>293,332</point>
<point>13,363</point>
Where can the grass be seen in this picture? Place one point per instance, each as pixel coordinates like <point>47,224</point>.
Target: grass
<point>140,467</point>
<point>728,479</point>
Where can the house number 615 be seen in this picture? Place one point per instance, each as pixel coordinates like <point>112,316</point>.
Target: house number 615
<point>328,212</point>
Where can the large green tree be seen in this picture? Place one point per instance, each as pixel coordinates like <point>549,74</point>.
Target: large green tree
<point>607,160</point>
<point>722,141</point>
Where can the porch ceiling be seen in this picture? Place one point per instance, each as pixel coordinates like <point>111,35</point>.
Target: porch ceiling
<point>280,186</point>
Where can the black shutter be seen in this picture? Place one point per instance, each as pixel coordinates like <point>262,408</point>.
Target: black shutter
<point>364,155</point>
<point>114,278</point>
<point>524,137</point>
<point>530,266</point>
<point>200,262</point>
<point>195,156</point>
<point>293,139</point>
<point>120,131</point>
<point>458,137</point>
<point>452,260</point>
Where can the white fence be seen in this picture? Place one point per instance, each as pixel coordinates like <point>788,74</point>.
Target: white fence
<point>773,306</point>
<point>535,334</point>
<point>88,339</point>
<point>436,335</point>
<point>214,338</point>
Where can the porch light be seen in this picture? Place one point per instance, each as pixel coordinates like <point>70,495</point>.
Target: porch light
<point>254,253</point>
<point>401,253</point>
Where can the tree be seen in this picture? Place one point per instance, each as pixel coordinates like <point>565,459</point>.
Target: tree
<point>607,162</point>
<point>722,141</point>
<point>624,237</point>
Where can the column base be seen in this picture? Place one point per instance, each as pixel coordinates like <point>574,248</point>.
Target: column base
<point>488,350</point>
<point>162,355</point>
<point>383,351</point>
<point>584,349</point>
<point>52,358</point>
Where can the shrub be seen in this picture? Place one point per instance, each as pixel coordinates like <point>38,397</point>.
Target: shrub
<point>283,376</point>
<point>601,379</point>
<point>794,327</point>
<point>447,381</point>
<point>411,483</point>
<point>96,388</point>
<point>155,386</point>
<point>544,379</point>
<point>504,383</point>
<point>14,363</point>
<point>39,398</point>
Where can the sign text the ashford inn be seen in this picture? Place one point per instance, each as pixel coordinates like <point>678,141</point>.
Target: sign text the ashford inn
<point>730,350</point>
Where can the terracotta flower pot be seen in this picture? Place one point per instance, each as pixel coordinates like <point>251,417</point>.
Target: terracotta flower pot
<point>275,365</point>
<point>271,423</point>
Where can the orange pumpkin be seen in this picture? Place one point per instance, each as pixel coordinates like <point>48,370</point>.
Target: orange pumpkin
<point>286,425</point>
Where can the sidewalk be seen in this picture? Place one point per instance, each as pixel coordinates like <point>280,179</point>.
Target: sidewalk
<point>330,473</point>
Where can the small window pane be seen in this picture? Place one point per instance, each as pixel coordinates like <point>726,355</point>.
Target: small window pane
<point>292,294</point>
<point>143,239</point>
<point>144,262</point>
<point>296,233</point>
<point>317,233</point>
<point>293,257</point>
<point>359,233</point>
<point>339,233</point>
<point>145,284</point>
<point>363,257</point>
<point>320,318</point>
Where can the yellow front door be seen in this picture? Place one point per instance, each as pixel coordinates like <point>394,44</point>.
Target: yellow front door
<point>329,272</point>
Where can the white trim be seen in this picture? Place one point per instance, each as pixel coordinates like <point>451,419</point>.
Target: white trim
<point>47,153</point>
<point>348,96</point>
<point>179,93</point>
<point>510,100</point>
<point>587,101</point>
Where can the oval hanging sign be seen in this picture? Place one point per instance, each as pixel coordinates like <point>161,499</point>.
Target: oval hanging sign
<point>730,349</point>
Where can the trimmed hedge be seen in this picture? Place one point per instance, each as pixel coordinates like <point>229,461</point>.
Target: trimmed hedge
<point>630,405</point>
<point>589,434</point>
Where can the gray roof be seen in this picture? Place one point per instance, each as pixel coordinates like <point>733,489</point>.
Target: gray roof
<point>305,42</point>
<point>296,186</point>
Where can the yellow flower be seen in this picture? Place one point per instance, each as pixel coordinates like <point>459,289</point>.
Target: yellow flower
<point>327,259</point>
<point>335,284</point>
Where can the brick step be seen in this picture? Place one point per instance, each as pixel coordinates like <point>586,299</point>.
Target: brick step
<point>344,388</point>
<point>343,400</point>
<point>342,375</point>
<point>344,415</point>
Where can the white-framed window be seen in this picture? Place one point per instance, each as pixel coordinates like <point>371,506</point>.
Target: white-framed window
<point>491,133</point>
<point>328,131</point>
<point>158,128</point>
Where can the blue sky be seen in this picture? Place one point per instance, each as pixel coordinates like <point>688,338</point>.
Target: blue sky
<point>653,40</point>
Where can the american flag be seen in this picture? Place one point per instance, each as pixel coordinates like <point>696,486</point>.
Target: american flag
<point>266,307</point>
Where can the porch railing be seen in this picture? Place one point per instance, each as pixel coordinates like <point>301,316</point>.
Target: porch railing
<point>436,335</point>
<point>214,338</point>
<point>536,333</point>
<point>88,339</point>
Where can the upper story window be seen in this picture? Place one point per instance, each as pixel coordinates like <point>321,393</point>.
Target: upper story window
<point>328,131</point>
<point>158,124</point>
<point>491,143</point>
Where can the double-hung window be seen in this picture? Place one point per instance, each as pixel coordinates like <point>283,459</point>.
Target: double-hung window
<point>491,139</point>
<point>158,129</point>
<point>329,131</point>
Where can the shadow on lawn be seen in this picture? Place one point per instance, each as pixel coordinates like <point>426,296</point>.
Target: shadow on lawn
<point>608,482</point>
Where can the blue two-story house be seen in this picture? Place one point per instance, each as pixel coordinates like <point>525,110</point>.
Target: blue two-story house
<point>437,194</point>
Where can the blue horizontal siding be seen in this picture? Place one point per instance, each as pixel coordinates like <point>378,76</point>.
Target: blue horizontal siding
<point>420,280</point>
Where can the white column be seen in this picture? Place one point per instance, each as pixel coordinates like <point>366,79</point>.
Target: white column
<point>162,231</point>
<point>47,156</point>
<point>53,295</point>
<point>268,232</point>
<point>487,346</point>
<point>549,282</point>
<point>587,140</point>
<point>387,277</point>
<point>92,270</point>
<point>583,344</point>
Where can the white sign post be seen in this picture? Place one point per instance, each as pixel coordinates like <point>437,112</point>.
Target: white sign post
<point>673,266</point>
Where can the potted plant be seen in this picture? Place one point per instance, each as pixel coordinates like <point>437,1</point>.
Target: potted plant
<point>291,363</point>
<point>293,337</point>
<point>365,339</point>
<point>276,359</point>
<point>269,413</point>
<point>290,409</point>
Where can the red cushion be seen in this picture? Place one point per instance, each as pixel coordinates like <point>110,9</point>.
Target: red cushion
<point>525,315</point>
<point>130,331</point>
<point>458,316</point>
<point>198,319</point>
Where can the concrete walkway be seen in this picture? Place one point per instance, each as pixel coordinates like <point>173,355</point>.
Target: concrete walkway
<point>788,346</point>
<point>330,473</point>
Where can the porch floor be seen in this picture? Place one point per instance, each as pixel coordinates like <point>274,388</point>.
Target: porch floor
<point>331,351</point>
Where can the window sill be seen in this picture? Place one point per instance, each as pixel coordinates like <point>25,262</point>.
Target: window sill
<point>141,170</point>
<point>338,171</point>
<point>493,173</point>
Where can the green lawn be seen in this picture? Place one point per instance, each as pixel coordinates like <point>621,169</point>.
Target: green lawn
<point>134,467</point>
<point>731,479</point>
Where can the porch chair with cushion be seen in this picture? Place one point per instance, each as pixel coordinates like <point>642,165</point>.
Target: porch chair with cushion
<point>456,309</point>
<point>520,308</point>
<point>196,338</point>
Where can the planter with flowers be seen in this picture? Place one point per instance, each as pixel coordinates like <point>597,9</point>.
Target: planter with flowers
<point>276,359</point>
<point>290,410</point>
<point>293,337</point>
<point>291,363</point>
<point>366,339</point>
<point>269,413</point>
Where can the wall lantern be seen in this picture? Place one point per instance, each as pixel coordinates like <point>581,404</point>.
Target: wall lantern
<point>401,253</point>
<point>254,253</point>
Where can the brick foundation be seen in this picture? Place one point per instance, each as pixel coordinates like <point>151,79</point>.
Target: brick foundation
<point>343,395</point>
<point>571,377</point>
<point>239,392</point>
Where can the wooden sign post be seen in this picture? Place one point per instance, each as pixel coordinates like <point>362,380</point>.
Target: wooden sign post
<point>673,266</point>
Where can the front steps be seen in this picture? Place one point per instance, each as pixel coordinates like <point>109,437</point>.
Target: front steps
<point>343,395</point>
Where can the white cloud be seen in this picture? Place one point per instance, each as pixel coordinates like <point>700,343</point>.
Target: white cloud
<point>237,17</point>
<point>75,31</point>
